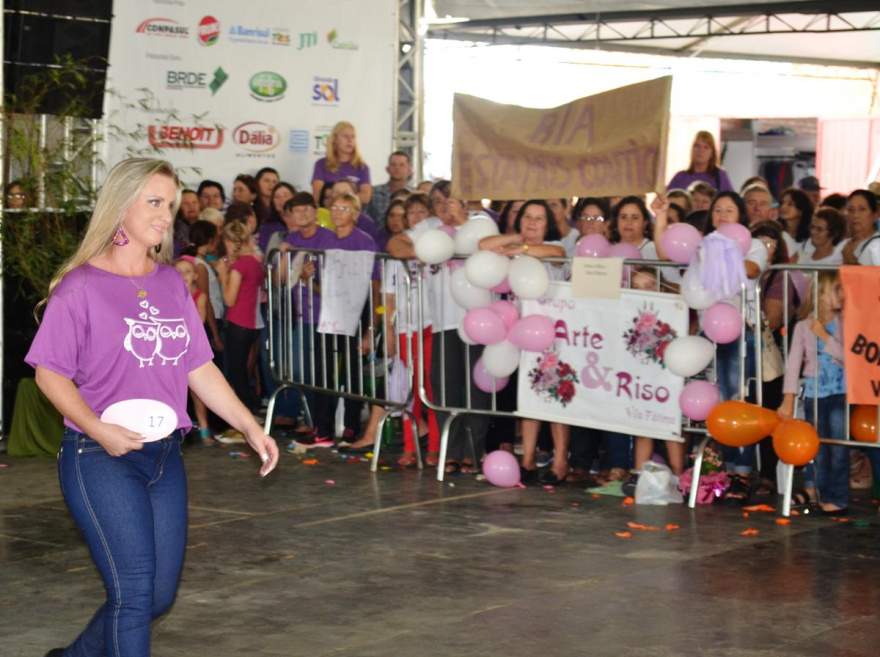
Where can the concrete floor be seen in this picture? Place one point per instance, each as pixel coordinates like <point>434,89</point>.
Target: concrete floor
<point>399,564</point>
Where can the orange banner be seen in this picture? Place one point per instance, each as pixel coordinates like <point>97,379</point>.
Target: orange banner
<point>861,333</point>
<point>613,143</point>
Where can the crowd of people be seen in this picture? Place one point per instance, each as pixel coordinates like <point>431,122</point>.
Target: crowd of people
<point>221,243</point>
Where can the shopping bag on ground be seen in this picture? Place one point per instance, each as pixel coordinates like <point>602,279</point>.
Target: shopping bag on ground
<point>657,485</point>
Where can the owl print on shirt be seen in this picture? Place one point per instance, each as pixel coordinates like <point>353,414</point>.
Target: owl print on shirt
<point>150,336</point>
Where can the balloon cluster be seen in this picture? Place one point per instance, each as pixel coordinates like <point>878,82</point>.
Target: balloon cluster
<point>495,324</point>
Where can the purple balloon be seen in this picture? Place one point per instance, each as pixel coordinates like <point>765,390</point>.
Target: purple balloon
<point>485,381</point>
<point>698,398</point>
<point>722,323</point>
<point>484,326</point>
<point>533,333</point>
<point>449,230</point>
<point>680,241</point>
<point>625,250</point>
<point>507,311</point>
<point>502,288</point>
<point>501,469</point>
<point>739,234</point>
<point>593,246</point>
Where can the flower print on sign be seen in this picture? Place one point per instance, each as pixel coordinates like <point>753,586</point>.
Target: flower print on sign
<point>553,378</point>
<point>648,336</point>
<point>150,336</point>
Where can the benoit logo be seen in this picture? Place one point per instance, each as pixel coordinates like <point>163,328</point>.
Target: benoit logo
<point>185,136</point>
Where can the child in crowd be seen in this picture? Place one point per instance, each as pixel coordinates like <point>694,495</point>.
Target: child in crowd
<point>816,345</point>
<point>186,267</point>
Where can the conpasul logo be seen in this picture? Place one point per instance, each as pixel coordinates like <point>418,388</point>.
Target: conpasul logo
<point>166,27</point>
<point>267,86</point>
<point>209,31</point>
<point>256,137</point>
<point>333,40</point>
<point>325,91</point>
<point>185,136</point>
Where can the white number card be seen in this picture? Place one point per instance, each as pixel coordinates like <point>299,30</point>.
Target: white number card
<point>148,417</point>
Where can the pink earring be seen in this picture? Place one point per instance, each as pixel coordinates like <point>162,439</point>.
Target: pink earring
<point>120,238</point>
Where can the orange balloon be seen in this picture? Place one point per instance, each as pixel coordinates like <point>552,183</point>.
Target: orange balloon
<point>863,423</point>
<point>795,442</point>
<point>737,423</point>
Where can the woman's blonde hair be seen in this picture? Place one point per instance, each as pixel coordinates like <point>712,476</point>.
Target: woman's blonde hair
<point>332,158</point>
<point>121,188</point>
<point>353,200</point>
<point>236,232</point>
<point>825,285</point>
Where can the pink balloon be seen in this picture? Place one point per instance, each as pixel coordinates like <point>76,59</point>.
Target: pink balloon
<point>698,398</point>
<point>722,323</point>
<point>449,230</point>
<point>484,326</point>
<point>680,241</point>
<point>739,234</point>
<point>485,381</point>
<point>501,469</point>
<point>625,250</point>
<point>533,333</point>
<point>507,311</point>
<point>593,246</point>
<point>502,288</point>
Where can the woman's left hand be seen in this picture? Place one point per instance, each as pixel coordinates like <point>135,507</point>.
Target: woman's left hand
<point>265,447</point>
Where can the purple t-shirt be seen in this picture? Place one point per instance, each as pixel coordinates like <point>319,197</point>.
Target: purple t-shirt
<point>366,224</point>
<point>322,239</point>
<point>345,171</point>
<point>264,234</point>
<point>115,346</point>
<point>358,240</point>
<point>682,179</point>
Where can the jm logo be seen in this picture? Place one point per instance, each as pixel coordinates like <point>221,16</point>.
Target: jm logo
<point>307,40</point>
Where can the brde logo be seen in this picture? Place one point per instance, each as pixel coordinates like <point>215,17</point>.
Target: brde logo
<point>209,31</point>
<point>256,136</point>
<point>267,86</point>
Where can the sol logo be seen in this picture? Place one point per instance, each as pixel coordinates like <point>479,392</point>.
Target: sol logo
<point>256,136</point>
<point>185,136</point>
<point>267,86</point>
<point>162,27</point>
<point>209,31</point>
<point>325,91</point>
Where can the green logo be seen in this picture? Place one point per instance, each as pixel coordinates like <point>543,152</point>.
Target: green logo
<point>220,77</point>
<point>333,40</point>
<point>267,86</point>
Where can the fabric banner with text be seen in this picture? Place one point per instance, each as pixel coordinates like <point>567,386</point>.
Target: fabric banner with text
<point>605,369</point>
<point>226,87</point>
<point>861,334</point>
<point>609,144</point>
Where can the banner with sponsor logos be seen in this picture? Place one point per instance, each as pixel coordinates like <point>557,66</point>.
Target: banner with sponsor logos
<point>608,144</point>
<point>227,87</point>
<point>605,369</point>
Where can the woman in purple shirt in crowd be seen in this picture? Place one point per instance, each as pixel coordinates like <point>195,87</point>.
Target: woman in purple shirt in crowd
<point>343,162</point>
<point>705,166</point>
<point>119,344</point>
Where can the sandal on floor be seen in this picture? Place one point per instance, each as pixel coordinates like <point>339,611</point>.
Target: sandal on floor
<point>739,491</point>
<point>800,499</point>
<point>432,458</point>
<point>407,460</point>
<point>452,467</point>
<point>549,478</point>
<point>527,477</point>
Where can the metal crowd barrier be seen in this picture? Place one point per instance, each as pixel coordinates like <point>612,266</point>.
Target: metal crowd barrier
<point>295,345</point>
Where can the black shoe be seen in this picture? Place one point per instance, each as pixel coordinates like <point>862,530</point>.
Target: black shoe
<point>55,652</point>
<point>628,487</point>
<point>528,476</point>
<point>549,478</point>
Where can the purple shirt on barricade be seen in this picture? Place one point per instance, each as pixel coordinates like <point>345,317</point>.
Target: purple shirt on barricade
<point>344,171</point>
<point>119,338</point>
<point>322,239</point>
<point>358,240</point>
<point>719,181</point>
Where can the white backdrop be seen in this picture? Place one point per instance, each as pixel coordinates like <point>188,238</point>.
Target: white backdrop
<point>223,87</point>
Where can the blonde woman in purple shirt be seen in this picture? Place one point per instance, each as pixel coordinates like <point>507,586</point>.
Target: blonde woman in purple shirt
<point>343,162</point>
<point>119,345</point>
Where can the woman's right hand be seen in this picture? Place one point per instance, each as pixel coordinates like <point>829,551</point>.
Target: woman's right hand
<point>116,440</point>
<point>786,410</point>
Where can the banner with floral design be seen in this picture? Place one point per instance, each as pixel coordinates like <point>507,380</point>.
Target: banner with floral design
<point>605,369</point>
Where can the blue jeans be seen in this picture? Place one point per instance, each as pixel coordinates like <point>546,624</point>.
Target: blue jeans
<point>132,512</point>
<point>740,460</point>
<point>829,471</point>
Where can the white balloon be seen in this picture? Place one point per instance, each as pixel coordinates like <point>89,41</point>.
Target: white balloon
<point>528,277</point>
<point>694,294</point>
<point>688,355</point>
<point>462,334</point>
<point>469,234</point>
<point>486,268</point>
<point>465,294</point>
<point>434,246</point>
<point>501,359</point>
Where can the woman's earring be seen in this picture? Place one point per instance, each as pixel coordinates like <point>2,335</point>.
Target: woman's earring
<point>120,238</point>
<point>158,247</point>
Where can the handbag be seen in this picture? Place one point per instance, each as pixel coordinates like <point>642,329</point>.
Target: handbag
<point>772,363</point>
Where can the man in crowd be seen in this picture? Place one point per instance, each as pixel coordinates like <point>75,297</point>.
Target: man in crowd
<point>211,195</point>
<point>810,186</point>
<point>759,204</point>
<point>399,172</point>
<point>187,214</point>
